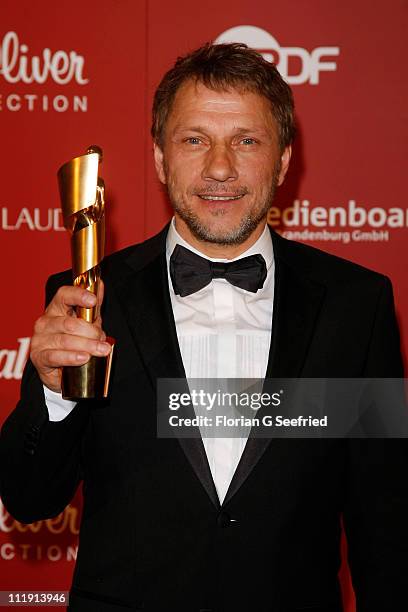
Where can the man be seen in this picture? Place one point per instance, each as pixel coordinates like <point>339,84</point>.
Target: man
<point>224,524</point>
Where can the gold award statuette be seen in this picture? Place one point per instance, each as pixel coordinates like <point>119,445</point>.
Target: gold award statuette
<point>83,210</point>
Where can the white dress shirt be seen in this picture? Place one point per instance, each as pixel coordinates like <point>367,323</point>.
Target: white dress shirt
<point>223,332</point>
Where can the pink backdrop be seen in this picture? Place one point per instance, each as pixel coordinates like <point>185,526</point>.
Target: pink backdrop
<point>344,193</point>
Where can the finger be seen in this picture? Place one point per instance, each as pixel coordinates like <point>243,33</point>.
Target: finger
<point>50,359</point>
<point>69,325</point>
<point>71,348</point>
<point>68,342</point>
<point>67,297</point>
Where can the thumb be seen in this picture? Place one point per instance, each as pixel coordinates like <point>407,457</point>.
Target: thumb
<point>67,298</point>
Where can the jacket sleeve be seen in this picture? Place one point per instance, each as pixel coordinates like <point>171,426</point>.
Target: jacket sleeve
<point>40,460</point>
<point>376,503</point>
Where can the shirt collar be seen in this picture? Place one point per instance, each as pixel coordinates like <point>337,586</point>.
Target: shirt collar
<point>263,246</point>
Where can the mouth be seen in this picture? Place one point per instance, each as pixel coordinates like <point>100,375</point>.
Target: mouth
<point>221,198</point>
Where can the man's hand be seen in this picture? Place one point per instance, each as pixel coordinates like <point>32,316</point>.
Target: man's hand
<point>62,339</point>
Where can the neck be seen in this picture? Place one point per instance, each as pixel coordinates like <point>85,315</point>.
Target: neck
<point>217,251</point>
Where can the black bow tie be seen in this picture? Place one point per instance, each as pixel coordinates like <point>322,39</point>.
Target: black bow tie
<point>190,272</point>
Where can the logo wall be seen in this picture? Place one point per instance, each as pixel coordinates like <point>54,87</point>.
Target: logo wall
<point>302,220</point>
<point>350,223</point>
<point>22,541</point>
<point>12,361</point>
<point>31,219</point>
<point>311,63</point>
<point>19,65</point>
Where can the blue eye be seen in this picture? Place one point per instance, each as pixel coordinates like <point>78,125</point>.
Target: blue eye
<point>193,140</point>
<point>248,141</point>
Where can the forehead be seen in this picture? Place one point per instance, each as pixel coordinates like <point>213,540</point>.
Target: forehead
<point>195,101</point>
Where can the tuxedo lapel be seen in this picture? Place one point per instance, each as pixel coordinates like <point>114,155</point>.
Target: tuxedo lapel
<point>143,294</point>
<point>297,303</point>
<point>145,301</point>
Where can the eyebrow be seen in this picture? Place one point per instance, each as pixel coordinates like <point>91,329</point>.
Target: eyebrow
<point>237,130</point>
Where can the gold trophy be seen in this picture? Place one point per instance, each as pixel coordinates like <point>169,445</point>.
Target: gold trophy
<point>83,209</point>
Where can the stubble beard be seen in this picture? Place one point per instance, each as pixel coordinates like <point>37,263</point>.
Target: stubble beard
<point>234,236</point>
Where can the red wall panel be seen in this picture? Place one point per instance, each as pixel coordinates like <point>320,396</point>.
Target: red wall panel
<point>350,148</point>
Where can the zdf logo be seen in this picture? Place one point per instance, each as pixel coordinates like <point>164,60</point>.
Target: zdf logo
<point>311,63</point>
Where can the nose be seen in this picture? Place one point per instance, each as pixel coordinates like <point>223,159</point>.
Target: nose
<point>219,164</point>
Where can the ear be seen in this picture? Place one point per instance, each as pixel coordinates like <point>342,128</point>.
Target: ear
<point>285,159</point>
<point>159,163</point>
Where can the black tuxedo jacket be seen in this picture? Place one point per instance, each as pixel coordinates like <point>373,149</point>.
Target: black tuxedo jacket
<point>153,535</point>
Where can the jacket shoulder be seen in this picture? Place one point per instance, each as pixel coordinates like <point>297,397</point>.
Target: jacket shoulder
<point>321,266</point>
<point>135,255</point>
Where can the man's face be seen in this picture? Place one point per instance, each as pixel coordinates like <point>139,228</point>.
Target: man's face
<point>221,162</point>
